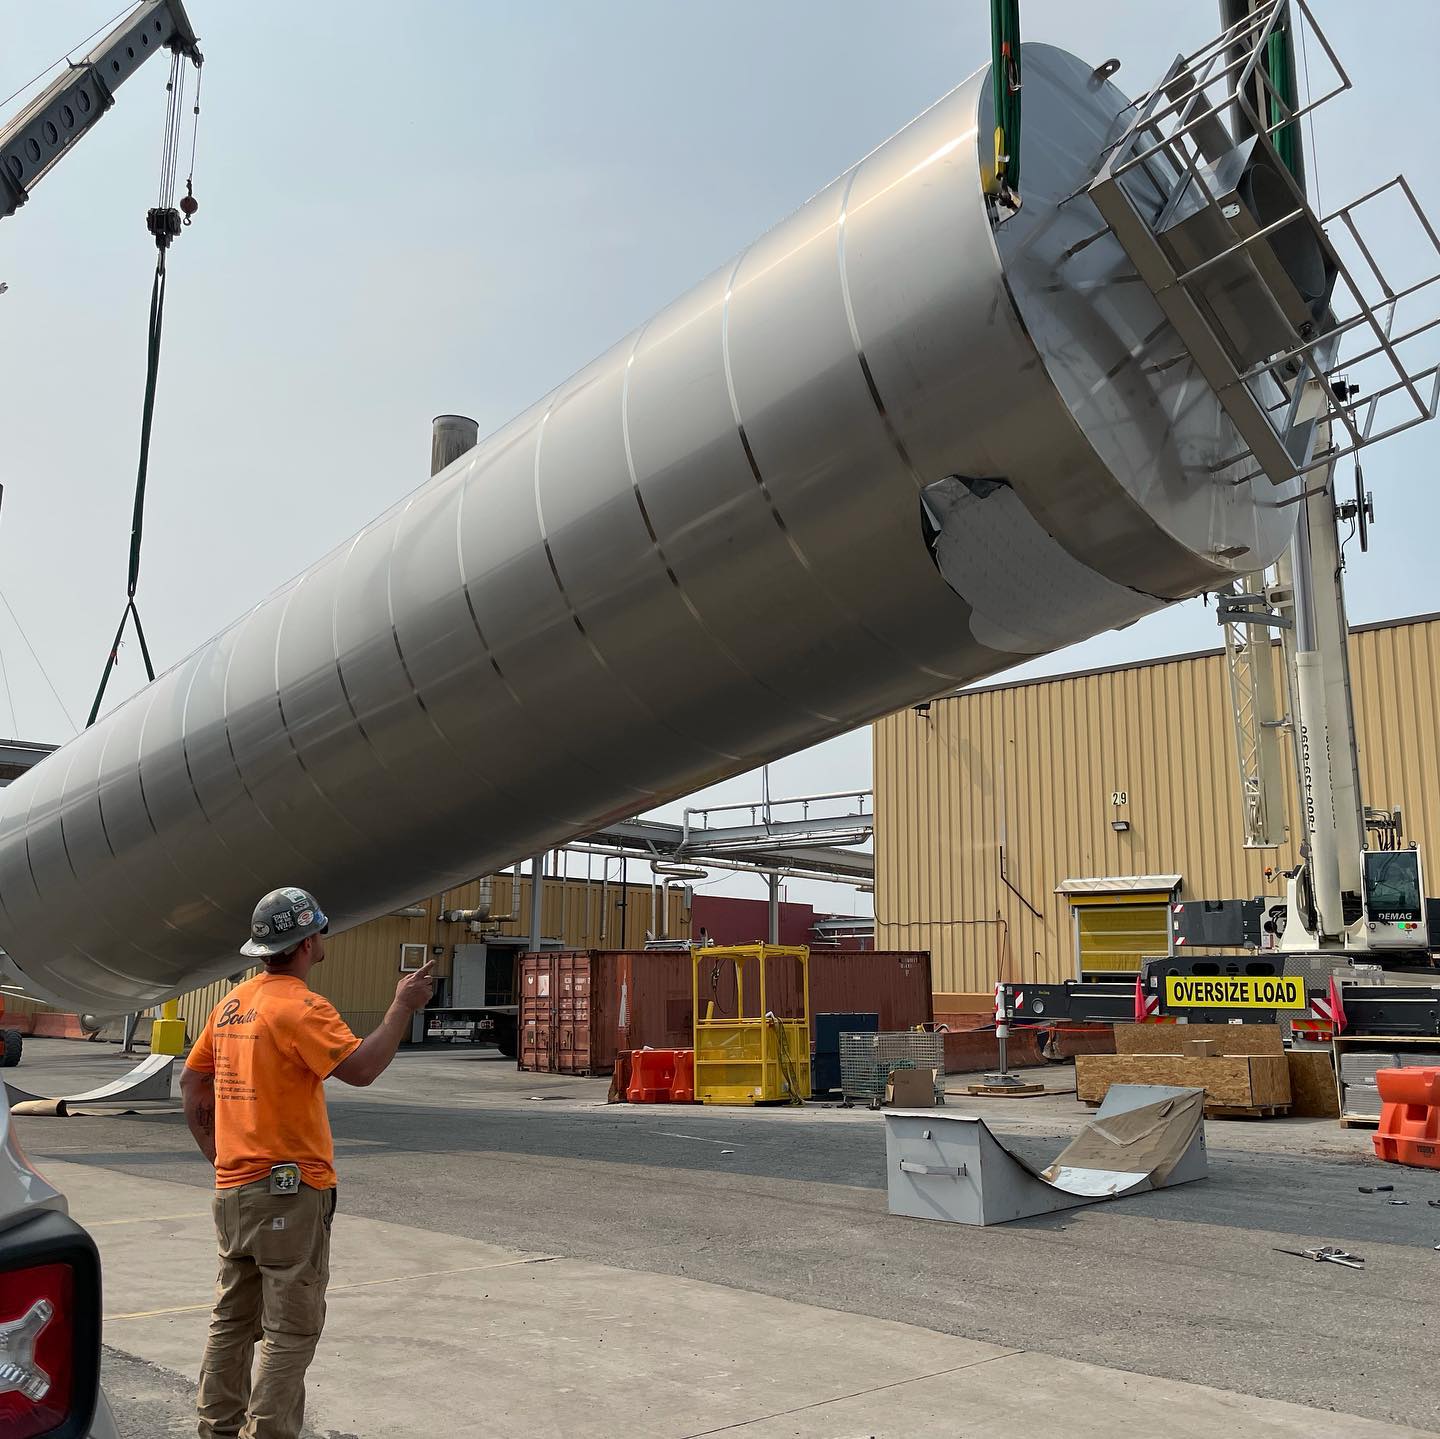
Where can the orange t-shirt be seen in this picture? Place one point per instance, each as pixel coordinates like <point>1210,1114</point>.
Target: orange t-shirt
<point>270,1044</point>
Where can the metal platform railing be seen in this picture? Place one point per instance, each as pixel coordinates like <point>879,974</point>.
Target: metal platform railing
<point>1255,283</point>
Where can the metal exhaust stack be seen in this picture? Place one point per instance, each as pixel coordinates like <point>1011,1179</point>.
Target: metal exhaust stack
<point>450,437</point>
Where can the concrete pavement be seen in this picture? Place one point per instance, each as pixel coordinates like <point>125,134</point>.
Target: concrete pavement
<point>454,1149</point>
<point>431,1334</point>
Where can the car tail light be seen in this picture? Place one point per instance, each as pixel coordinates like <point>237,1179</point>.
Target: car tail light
<point>36,1372</point>
<point>49,1329</point>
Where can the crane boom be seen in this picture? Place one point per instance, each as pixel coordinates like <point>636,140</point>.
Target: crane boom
<point>33,142</point>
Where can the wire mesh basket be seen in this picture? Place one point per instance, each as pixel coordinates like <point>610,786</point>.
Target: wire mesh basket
<point>867,1061</point>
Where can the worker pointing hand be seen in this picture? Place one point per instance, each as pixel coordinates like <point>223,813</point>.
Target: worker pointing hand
<point>415,990</point>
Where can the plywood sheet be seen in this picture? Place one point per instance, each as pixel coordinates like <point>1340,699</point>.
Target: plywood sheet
<point>1240,1081</point>
<point>1168,1038</point>
<point>1312,1084</point>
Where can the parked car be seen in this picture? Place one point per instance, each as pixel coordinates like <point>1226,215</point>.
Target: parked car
<point>49,1308</point>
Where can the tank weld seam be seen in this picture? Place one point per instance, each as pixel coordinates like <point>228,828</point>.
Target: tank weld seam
<point>467,762</point>
<point>745,439</point>
<point>210,824</point>
<point>860,355</point>
<point>60,815</point>
<point>145,798</point>
<point>105,834</point>
<point>284,721</point>
<point>230,741</point>
<point>835,600</point>
<point>504,679</point>
<point>339,664</point>
<point>717,640</point>
<point>110,844</point>
<point>579,624</point>
<point>100,791</point>
<point>470,601</point>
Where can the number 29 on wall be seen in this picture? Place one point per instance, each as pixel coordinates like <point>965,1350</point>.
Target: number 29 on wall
<point>1119,797</point>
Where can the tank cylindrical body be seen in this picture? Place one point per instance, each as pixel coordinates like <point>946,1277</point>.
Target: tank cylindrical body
<point>889,449</point>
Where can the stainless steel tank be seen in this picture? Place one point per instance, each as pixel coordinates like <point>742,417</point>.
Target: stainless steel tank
<point>890,448</point>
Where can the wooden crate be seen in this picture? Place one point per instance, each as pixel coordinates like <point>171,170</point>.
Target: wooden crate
<point>1312,1084</point>
<point>1170,1038</point>
<point>1257,1082</point>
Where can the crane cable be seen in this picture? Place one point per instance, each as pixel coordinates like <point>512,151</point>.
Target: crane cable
<point>163,222</point>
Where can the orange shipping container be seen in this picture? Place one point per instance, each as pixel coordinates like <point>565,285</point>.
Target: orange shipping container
<point>579,1008</point>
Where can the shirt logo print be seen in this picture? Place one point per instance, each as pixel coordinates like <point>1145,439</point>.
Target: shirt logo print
<point>231,1015</point>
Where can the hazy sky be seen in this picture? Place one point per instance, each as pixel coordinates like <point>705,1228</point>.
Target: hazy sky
<point>409,209</point>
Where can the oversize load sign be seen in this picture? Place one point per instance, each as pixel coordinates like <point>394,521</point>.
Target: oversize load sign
<point>1235,991</point>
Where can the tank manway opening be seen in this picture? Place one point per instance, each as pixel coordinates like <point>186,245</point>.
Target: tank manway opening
<point>1273,302</point>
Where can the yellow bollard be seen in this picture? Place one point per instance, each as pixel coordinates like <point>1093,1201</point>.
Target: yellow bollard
<point>167,1034</point>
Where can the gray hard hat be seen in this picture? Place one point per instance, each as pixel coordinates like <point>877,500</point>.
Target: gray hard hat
<point>281,920</point>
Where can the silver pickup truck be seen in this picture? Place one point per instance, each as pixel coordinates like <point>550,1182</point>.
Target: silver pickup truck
<point>49,1309</point>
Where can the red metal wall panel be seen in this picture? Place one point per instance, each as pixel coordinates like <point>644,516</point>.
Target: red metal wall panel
<point>895,984</point>
<point>729,920</point>
<point>652,1006</point>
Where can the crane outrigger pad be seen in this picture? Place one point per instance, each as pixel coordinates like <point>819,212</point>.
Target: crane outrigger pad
<point>951,1167</point>
<point>150,1080</point>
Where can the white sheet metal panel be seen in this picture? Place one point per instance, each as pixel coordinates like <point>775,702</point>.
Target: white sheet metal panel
<point>705,550</point>
<point>951,1167</point>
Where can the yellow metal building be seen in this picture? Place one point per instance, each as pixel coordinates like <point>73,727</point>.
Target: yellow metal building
<point>1038,830</point>
<point>362,967</point>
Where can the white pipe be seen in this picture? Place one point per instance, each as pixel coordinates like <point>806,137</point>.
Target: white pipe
<point>537,898</point>
<point>790,872</point>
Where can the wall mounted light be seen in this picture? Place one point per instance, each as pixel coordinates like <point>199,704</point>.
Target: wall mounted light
<point>1119,825</point>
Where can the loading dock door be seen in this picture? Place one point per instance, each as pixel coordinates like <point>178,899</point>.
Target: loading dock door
<point>1118,921</point>
<point>1112,939</point>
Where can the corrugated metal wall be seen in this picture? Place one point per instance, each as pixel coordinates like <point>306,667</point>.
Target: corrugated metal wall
<point>361,967</point>
<point>1026,772</point>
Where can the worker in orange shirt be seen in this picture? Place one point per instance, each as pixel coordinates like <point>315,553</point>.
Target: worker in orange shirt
<point>254,1099</point>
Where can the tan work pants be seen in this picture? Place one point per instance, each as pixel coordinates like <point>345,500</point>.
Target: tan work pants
<point>274,1266</point>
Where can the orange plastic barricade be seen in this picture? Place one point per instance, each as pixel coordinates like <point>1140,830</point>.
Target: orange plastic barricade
<point>682,1091</point>
<point>1409,1131</point>
<point>662,1076</point>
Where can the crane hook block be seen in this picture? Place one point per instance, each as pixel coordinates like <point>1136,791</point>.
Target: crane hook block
<point>164,224</point>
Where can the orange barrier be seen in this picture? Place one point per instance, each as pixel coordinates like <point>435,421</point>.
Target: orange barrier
<point>682,1087</point>
<point>57,1026</point>
<point>1409,1131</point>
<point>662,1076</point>
<point>620,1080</point>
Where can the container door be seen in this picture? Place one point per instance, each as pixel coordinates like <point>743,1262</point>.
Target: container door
<point>573,1013</point>
<point>538,1000</point>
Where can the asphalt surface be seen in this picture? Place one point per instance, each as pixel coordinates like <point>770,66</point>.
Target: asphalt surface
<point>151,1403</point>
<point>1183,1283</point>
